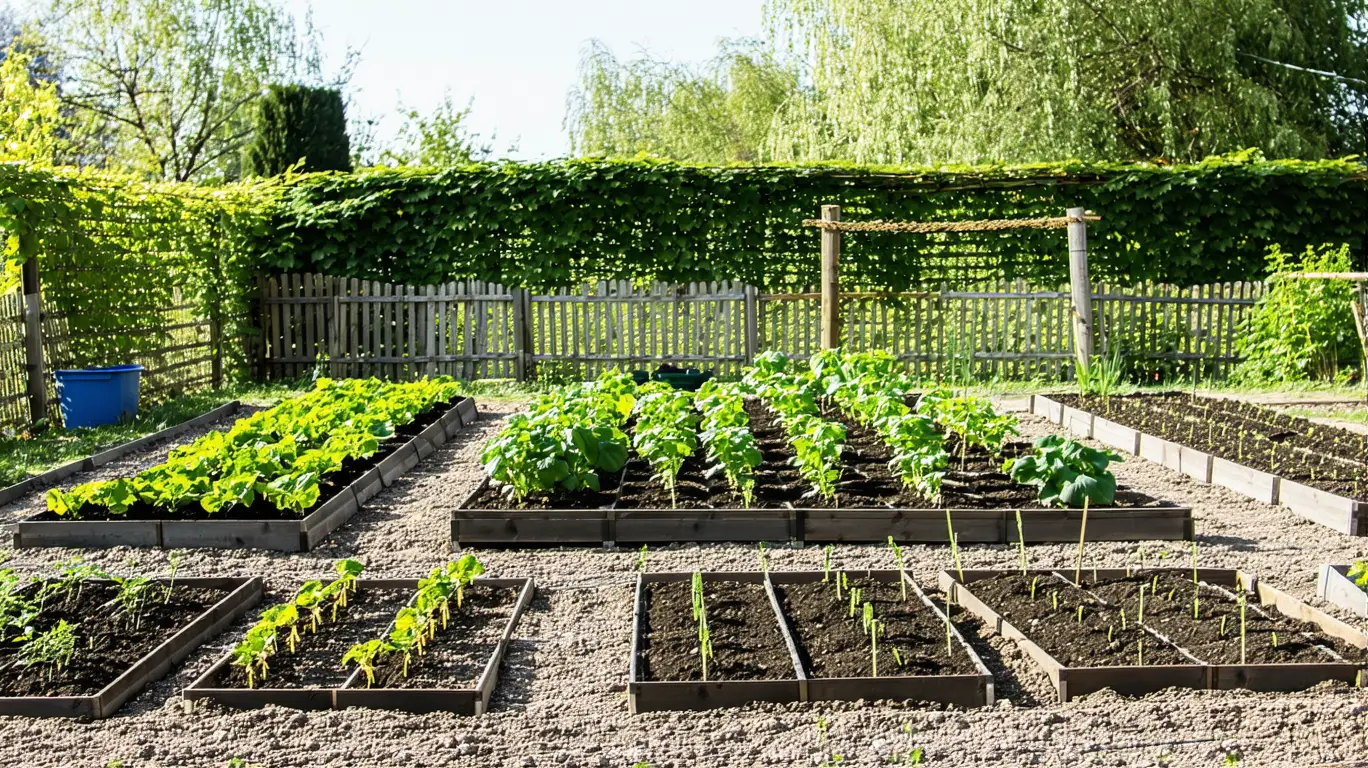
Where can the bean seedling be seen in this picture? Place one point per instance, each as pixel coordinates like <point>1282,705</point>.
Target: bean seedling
<point>902,572</point>
<point>826,565</point>
<point>641,559</point>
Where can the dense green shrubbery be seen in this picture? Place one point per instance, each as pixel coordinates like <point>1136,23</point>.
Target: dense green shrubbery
<point>1302,329</point>
<point>561,222</point>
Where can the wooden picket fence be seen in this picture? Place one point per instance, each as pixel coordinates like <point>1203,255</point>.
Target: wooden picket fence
<point>474,329</point>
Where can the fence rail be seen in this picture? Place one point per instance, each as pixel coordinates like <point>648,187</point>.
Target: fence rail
<point>475,329</point>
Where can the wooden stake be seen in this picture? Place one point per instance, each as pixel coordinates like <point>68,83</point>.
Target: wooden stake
<point>1082,534</point>
<point>33,340</point>
<point>831,280</point>
<point>1081,287</point>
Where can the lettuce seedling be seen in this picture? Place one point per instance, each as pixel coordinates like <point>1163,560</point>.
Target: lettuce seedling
<point>1066,472</point>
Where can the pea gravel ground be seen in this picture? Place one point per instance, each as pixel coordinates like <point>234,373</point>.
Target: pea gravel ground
<point>560,701</point>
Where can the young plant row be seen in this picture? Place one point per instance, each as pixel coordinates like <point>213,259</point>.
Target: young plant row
<point>26,604</point>
<point>666,431</point>
<point>728,438</point>
<point>416,625</point>
<point>565,439</point>
<point>280,455</point>
<point>316,604</point>
<point>792,393</point>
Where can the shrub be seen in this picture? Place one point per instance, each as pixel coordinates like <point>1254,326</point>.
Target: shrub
<point>294,123</point>
<point>1302,329</point>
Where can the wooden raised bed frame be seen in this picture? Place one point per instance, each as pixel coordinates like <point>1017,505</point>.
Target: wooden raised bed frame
<point>244,593</point>
<point>1333,585</point>
<point>353,693</point>
<point>611,526</point>
<point>290,535</point>
<point>658,695</point>
<point>1345,515</point>
<point>1070,682</point>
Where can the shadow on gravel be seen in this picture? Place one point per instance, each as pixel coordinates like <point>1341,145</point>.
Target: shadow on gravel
<point>1237,543</point>
<point>519,668</point>
<point>1006,683</point>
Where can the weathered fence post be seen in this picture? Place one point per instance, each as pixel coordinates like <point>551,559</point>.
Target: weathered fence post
<point>520,333</point>
<point>752,321</point>
<point>831,280</point>
<point>33,340</point>
<point>1081,287</point>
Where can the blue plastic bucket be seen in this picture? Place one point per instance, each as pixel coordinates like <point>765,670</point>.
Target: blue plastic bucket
<point>94,397</point>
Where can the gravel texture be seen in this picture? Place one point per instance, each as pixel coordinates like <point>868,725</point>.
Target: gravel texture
<point>560,701</point>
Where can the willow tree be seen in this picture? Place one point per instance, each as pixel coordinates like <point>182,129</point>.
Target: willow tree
<point>720,111</point>
<point>985,80</point>
<point>169,88</point>
<point>932,81</point>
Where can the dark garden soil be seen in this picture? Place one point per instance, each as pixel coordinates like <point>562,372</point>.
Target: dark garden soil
<point>108,642</point>
<point>832,643</point>
<point>746,640</point>
<point>317,659</point>
<point>1214,636</point>
<point>1323,457</point>
<point>1097,641</point>
<point>330,485</point>
<point>778,484</point>
<point>972,481</point>
<point>458,655</point>
<point>495,498</point>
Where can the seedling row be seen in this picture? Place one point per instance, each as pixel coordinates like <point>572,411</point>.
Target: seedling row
<point>426,645</point>
<point>707,640</point>
<point>282,478</point>
<point>1319,472</point>
<point>76,644</point>
<point>837,449</point>
<point>1141,631</point>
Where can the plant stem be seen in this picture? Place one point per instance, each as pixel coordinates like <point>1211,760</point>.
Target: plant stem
<point>1021,543</point>
<point>1082,534</point>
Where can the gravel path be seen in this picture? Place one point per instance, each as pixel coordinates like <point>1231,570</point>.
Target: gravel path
<point>560,700</point>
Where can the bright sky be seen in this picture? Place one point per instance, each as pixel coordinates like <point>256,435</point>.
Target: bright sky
<point>516,59</point>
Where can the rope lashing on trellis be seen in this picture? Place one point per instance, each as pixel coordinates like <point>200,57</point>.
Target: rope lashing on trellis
<point>928,227</point>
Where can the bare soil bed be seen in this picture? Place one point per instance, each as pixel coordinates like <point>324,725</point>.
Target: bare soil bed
<point>561,699</point>
<point>832,643</point>
<point>746,641</point>
<point>1324,457</point>
<point>108,642</point>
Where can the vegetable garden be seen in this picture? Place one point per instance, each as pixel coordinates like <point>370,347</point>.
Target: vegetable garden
<point>838,448</point>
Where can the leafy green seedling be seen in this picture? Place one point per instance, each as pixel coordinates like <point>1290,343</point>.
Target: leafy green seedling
<point>641,558</point>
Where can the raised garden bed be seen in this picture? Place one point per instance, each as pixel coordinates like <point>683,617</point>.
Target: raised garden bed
<point>112,661</point>
<point>97,460</point>
<point>261,525</point>
<point>1333,585</point>
<point>780,637</point>
<point>1318,472</point>
<point>1288,645</point>
<point>872,505</point>
<point>458,673</point>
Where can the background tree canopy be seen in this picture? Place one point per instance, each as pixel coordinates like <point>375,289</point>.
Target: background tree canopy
<point>926,82</point>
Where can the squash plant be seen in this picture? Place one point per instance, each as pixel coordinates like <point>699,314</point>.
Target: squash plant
<point>564,439</point>
<point>1068,473</point>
